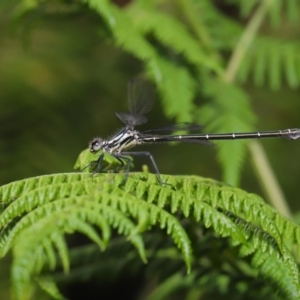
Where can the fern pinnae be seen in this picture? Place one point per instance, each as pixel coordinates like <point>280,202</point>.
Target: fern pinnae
<point>39,258</point>
<point>43,195</point>
<point>152,193</point>
<point>292,267</point>
<point>174,229</point>
<point>201,210</point>
<point>84,227</point>
<point>24,283</point>
<point>260,69</point>
<point>264,218</point>
<point>13,190</point>
<point>47,284</point>
<point>126,34</point>
<point>93,216</point>
<point>239,202</point>
<point>258,213</point>
<point>268,225</point>
<point>39,214</point>
<point>184,93</point>
<point>174,34</point>
<point>164,196</point>
<point>274,60</point>
<point>56,237</point>
<point>275,68</point>
<point>291,67</point>
<point>234,108</point>
<point>119,220</point>
<point>221,223</point>
<point>47,225</point>
<point>24,265</point>
<point>259,239</point>
<point>282,270</point>
<point>50,253</point>
<point>143,221</point>
<point>164,220</point>
<point>125,226</point>
<point>175,202</point>
<point>199,188</point>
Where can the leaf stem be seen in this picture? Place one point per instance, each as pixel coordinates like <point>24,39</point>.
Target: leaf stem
<point>266,175</point>
<point>246,40</point>
<point>260,162</point>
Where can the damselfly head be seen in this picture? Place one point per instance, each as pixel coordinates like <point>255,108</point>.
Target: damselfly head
<point>96,145</point>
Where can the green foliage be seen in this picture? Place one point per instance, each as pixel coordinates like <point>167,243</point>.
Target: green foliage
<point>182,45</point>
<point>270,60</point>
<point>229,109</point>
<point>38,214</point>
<point>132,27</point>
<point>197,237</point>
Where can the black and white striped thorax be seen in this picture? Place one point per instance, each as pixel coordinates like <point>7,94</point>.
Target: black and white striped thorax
<point>122,140</point>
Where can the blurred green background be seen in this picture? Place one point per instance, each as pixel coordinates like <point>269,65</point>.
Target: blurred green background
<point>62,77</point>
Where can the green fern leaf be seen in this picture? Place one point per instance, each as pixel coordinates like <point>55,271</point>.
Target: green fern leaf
<point>59,242</point>
<point>177,90</point>
<point>86,158</point>
<point>229,110</point>
<point>49,252</point>
<point>281,273</point>
<point>173,34</point>
<point>35,221</point>
<point>276,9</point>
<point>273,59</point>
<point>47,284</point>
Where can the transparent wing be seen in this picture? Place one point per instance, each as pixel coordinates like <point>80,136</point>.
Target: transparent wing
<point>141,96</point>
<point>176,127</point>
<point>131,119</point>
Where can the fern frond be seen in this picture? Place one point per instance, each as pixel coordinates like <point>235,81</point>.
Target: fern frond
<point>173,34</point>
<point>11,191</point>
<point>276,268</point>
<point>131,38</point>
<point>130,33</point>
<point>229,109</point>
<point>34,223</point>
<point>49,228</point>
<point>225,37</point>
<point>277,9</point>
<point>250,207</point>
<point>272,60</point>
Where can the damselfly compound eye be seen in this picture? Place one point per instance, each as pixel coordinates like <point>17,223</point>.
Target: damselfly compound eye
<point>95,145</point>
